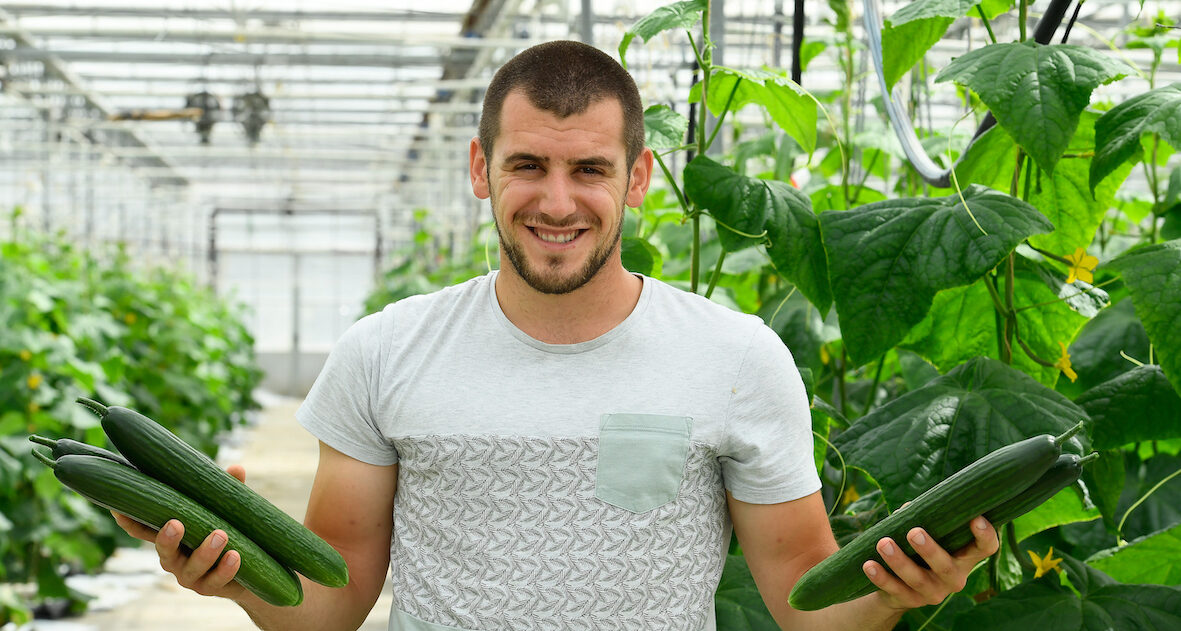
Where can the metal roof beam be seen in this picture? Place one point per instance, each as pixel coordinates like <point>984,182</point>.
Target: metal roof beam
<point>53,66</point>
<point>267,35</point>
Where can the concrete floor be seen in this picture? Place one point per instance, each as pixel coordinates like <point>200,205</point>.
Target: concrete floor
<point>134,594</point>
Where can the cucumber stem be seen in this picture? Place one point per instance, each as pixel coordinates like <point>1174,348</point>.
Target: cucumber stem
<point>95,406</point>
<point>41,440</point>
<point>1070,432</point>
<point>1094,455</point>
<point>46,460</point>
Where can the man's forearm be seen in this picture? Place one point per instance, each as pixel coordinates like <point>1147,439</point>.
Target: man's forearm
<point>323,609</point>
<point>868,613</point>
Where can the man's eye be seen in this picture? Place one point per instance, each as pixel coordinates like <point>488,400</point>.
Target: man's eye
<point>591,171</point>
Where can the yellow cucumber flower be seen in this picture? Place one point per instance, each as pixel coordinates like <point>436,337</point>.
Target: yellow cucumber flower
<point>1081,266</point>
<point>1063,364</point>
<point>1044,564</point>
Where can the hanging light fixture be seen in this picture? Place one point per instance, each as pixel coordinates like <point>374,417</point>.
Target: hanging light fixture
<point>209,106</point>
<point>252,110</point>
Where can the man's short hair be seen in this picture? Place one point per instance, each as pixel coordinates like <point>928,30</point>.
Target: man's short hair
<point>564,78</point>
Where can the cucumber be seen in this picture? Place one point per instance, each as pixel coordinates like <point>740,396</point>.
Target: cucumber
<point>1064,472</point>
<point>67,447</point>
<point>942,509</point>
<point>158,452</point>
<point>152,503</point>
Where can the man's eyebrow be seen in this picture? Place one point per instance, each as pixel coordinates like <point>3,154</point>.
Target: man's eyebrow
<point>522,156</point>
<point>594,161</point>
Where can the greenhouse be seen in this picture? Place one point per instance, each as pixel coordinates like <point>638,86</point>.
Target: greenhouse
<point>491,358</point>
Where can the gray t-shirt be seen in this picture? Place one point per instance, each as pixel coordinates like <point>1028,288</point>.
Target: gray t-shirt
<point>564,487</point>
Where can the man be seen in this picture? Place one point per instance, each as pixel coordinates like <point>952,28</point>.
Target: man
<point>563,444</point>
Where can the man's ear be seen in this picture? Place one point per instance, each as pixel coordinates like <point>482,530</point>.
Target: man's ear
<point>641,177</point>
<point>478,168</point>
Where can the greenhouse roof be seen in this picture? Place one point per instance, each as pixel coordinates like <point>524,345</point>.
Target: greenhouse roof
<point>349,99</point>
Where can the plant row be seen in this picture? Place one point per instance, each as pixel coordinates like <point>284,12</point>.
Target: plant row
<point>96,322</point>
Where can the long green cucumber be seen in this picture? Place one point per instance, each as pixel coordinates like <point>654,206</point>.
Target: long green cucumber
<point>940,510</point>
<point>161,454</point>
<point>69,447</point>
<point>152,503</point>
<point>1064,472</point>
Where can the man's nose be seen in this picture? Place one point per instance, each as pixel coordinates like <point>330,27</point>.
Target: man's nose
<point>557,196</point>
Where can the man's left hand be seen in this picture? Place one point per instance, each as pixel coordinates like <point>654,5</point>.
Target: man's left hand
<point>907,585</point>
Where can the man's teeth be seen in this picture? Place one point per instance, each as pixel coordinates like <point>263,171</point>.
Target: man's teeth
<point>564,237</point>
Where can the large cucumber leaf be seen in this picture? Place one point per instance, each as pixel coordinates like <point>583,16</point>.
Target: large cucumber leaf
<point>1135,406</point>
<point>887,260</point>
<point>1153,276</point>
<point>777,212</point>
<point>678,15</point>
<point>913,442</point>
<point>1118,132</point>
<point>1035,91</point>
<point>913,29</point>
<point>1149,559</point>
<point>1096,603</point>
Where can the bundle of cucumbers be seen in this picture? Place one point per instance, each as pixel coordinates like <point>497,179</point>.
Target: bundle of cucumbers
<point>1002,485</point>
<point>159,477</point>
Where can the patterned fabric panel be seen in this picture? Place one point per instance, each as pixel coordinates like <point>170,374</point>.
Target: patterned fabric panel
<point>505,534</point>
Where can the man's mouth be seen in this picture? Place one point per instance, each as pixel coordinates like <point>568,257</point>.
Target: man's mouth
<point>558,237</point>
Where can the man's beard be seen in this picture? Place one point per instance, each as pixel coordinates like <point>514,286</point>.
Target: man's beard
<point>548,281</point>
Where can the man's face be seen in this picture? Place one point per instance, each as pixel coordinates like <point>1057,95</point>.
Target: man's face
<point>558,188</point>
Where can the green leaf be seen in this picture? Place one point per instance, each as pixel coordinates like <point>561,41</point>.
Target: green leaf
<point>1135,406</point>
<point>913,29</point>
<point>1096,351</point>
<point>887,260</point>
<point>664,128</point>
<point>640,256</point>
<point>1118,132</point>
<point>676,15</point>
<point>1046,605</point>
<point>961,325</point>
<point>791,107</point>
<point>1149,559</point>
<point>741,205</point>
<point>993,8</point>
<point>911,443</point>
<point>737,603</point>
<point>1064,508</point>
<point>1036,92</point>
<point>797,250</point>
<point>1153,276</point>
<point>1064,198</point>
<point>1105,479</point>
<point>775,211</point>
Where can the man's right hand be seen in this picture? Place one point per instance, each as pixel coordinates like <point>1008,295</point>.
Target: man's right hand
<point>200,570</point>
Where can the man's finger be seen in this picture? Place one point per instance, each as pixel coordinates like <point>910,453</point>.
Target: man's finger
<point>134,528</point>
<point>168,546</point>
<point>942,565</point>
<point>202,560</point>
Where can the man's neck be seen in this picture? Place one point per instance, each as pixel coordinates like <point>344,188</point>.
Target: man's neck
<point>578,316</point>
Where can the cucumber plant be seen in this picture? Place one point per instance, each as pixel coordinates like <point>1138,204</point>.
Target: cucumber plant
<point>927,302</point>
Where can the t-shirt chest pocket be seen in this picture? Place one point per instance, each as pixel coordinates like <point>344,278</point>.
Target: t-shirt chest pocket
<point>641,459</point>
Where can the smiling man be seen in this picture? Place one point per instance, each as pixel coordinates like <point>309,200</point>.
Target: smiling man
<point>562,444</point>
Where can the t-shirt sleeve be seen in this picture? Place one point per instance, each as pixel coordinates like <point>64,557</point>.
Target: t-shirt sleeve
<point>767,454</point>
<point>338,409</point>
